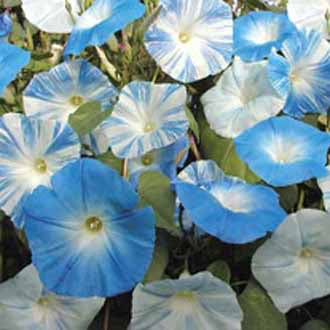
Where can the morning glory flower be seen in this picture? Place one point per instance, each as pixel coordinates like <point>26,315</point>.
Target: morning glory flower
<point>25,304</point>
<point>227,207</point>
<point>165,160</point>
<point>294,265</point>
<point>302,75</point>
<point>86,234</point>
<point>257,33</point>
<point>242,97</point>
<point>147,116</point>
<point>201,301</point>
<point>12,61</point>
<point>191,41</point>
<point>31,151</point>
<point>283,151</point>
<point>61,91</point>
<point>310,15</point>
<point>324,184</point>
<point>6,25</point>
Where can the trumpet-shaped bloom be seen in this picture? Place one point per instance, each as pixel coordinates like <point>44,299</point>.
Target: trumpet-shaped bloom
<point>294,265</point>
<point>242,97</point>
<point>193,302</point>
<point>302,75</point>
<point>61,91</point>
<point>227,207</point>
<point>12,61</point>
<point>86,234</point>
<point>147,116</point>
<point>310,15</point>
<point>191,42</point>
<point>257,33</point>
<point>26,305</point>
<point>165,160</point>
<point>31,151</point>
<point>99,22</point>
<point>324,184</point>
<point>283,151</point>
<point>6,25</point>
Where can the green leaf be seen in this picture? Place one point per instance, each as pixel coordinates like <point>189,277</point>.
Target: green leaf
<point>158,264</point>
<point>155,190</point>
<point>221,270</point>
<point>223,152</point>
<point>108,158</point>
<point>193,123</point>
<point>11,3</point>
<point>87,117</point>
<point>288,197</point>
<point>259,311</point>
<point>315,325</point>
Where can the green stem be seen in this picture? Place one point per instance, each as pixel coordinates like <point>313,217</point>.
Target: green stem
<point>156,74</point>
<point>301,199</point>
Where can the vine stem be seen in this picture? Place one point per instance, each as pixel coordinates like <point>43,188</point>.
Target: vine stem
<point>106,315</point>
<point>124,169</point>
<point>110,68</point>
<point>193,147</point>
<point>301,199</point>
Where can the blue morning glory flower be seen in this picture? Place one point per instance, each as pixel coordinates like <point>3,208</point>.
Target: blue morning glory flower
<point>227,207</point>
<point>25,304</point>
<point>283,151</point>
<point>31,151</point>
<point>242,97</point>
<point>302,75</point>
<point>99,22</point>
<point>294,264</point>
<point>147,116</point>
<point>165,160</point>
<point>86,234</point>
<point>191,41</point>
<point>200,301</point>
<point>6,25</point>
<point>12,61</point>
<point>61,91</point>
<point>257,33</point>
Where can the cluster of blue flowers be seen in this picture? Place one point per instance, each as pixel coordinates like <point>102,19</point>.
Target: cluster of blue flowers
<point>89,236</point>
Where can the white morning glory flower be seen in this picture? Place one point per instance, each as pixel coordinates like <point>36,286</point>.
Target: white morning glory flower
<point>31,151</point>
<point>193,302</point>
<point>26,305</point>
<point>191,40</point>
<point>302,76</point>
<point>242,97</point>
<point>147,116</point>
<point>61,91</point>
<point>324,184</point>
<point>294,265</point>
<point>310,14</point>
<point>257,33</point>
<point>283,151</point>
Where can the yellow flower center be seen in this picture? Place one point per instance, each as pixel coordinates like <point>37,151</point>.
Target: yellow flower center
<point>147,159</point>
<point>40,165</point>
<point>76,100</point>
<point>94,224</point>
<point>43,301</point>
<point>184,37</point>
<point>306,253</point>
<point>149,127</point>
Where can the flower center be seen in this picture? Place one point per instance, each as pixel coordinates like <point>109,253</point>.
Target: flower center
<point>306,253</point>
<point>184,301</point>
<point>94,225</point>
<point>76,100</point>
<point>40,165</point>
<point>147,159</point>
<point>184,37</point>
<point>43,301</point>
<point>149,127</point>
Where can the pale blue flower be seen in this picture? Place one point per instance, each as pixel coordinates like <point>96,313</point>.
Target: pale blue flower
<point>61,91</point>
<point>302,76</point>
<point>86,234</point>
<point>12,61</point>
<point>294,265</point>
<point>196,302</point>
<point>324,184</point>
<point>25,304</point>
<point>31,151</point>
<point>283,151</point>
<point>241,98</point>
<point>6,25</point>
<point>191,41</point>
<point>227,207</point>
<point>257,33</point>
<point>147,116</point>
